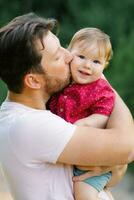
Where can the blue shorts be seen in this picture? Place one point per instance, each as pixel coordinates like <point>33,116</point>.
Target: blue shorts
<point>98,182</point>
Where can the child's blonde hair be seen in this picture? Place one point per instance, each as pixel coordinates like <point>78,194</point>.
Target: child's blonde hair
<point>87,38</point>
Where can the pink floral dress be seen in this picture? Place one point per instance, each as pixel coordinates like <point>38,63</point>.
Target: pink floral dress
<point>79,101</point>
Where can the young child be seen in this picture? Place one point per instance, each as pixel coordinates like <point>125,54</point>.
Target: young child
<point>88,96</point>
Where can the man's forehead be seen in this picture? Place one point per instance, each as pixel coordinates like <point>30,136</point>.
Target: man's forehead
<point>51,43</point>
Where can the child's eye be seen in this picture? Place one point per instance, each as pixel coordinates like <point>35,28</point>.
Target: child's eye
<point>81,56</point>
<point>96,61</point>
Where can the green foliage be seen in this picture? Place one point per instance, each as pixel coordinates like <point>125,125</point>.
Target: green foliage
<point>3,91</point>
<point>131,168</point>
<point>121,70</point>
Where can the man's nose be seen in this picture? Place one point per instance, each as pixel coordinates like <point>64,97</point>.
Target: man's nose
<point>68,56</point>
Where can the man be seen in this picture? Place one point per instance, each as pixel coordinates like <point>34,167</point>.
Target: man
<point>38,147</point>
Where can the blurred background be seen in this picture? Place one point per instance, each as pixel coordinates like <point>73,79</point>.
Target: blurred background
<point>116,18</point>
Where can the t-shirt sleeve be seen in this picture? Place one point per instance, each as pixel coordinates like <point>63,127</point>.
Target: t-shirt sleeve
<point>42,136</point>
<point>105,98</point>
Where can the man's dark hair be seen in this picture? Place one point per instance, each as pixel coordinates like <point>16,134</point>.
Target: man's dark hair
<point>18,53</point>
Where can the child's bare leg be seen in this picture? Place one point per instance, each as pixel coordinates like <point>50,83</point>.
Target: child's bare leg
<point>84,191</point>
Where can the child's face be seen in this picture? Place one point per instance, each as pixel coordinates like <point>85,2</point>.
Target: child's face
<point>86,66</point>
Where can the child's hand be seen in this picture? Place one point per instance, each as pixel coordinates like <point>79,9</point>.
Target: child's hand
<point>96,171</point>
<point>80,122</point>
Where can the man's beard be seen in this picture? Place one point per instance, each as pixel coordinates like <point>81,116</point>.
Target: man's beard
<point>54,84</point>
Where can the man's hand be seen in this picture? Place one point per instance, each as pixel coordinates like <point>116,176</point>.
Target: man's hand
<point>117,174</point>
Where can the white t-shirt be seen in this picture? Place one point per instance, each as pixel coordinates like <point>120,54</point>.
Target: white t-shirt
<point>30,143</point>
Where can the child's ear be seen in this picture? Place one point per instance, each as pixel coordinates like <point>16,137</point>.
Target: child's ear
<point>32,81</point>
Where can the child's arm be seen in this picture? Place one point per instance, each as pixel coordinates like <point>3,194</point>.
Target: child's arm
<point>94,120</point>
<point>117,174</point>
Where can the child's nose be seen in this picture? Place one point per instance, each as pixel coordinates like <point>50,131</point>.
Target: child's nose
<point>88,65</point>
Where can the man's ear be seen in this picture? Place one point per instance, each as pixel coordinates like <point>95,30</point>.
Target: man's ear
<point>32,81</point>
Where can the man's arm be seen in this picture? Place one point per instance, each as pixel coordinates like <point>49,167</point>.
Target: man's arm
<point>96,147</point>
<point>118,173</point>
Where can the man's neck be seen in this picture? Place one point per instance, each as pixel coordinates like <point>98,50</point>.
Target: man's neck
<point>34,100</point>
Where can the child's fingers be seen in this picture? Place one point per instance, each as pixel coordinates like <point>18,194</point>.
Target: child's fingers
<point>85,176</point>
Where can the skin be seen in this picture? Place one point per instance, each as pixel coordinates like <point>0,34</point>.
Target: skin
<point>116,142</point>
<point>86,68</point>
<point>39,87</point>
